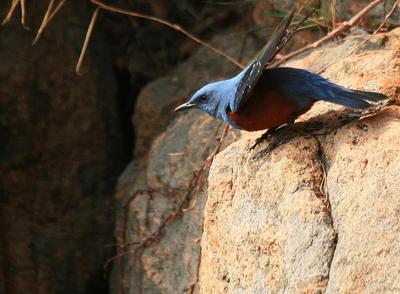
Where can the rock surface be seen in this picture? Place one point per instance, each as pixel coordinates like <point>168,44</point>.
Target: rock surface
<point>171,263</point>
<point>319,213</point>
<point>159,180</point>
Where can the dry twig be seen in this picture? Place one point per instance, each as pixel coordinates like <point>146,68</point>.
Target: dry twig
<point>153,237</point>
<point>10,13</point>
<point>337,31</point>
<point>23,14</point>
<point>86,42</point>
<point>217,148</point>
<point>387,16</point>
<point>168,24</point>
<point>50,13</point>
<point>333,13</point>
<point>192,286</point>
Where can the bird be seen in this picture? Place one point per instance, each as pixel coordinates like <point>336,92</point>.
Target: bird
<point>264,97</point>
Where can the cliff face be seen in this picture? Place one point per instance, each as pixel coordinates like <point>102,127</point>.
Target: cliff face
<point>270,224</point>
<point>165,178</point>
<point>320,213</point>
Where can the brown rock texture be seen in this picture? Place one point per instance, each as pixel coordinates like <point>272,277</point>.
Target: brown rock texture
<point>170,264</point>
<point>320,213</point>
<point>168,159</point>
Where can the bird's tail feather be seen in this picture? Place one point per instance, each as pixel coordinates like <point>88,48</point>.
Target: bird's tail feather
<point>355,98</point>
<point>300,84</point>
<point>371,96</point>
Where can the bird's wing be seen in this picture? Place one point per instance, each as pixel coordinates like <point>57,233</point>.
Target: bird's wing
<point>254,70</point>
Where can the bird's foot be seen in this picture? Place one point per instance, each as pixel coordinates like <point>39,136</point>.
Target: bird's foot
<point>280,138</point>
<point>286,133</point>
<point>313,129</point>
<point>263,137</point>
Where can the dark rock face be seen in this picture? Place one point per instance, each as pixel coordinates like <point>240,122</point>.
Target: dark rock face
<point>61,149</point>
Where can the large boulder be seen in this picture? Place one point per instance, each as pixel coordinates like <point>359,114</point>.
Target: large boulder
<point>166,177</point>
<point>320,213</point>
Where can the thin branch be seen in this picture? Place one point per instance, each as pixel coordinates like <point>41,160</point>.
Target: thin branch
<point>333,13</point>
<point>217,148</point>
<point>23,14</point>
<point>319,23</point>
<point>196,181</point>
<point>150,239</point>
<point>86,42</point>
<point>50,13</point>
<point>337,31</point>
<point>10,12</point>
<point>192,286</point>
<point>387,16</point>
<point>168,24</point>
<point>44,22</point>
<point>384,9</point>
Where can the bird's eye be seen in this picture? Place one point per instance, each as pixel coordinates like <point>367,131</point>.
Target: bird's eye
<point>203,98</point>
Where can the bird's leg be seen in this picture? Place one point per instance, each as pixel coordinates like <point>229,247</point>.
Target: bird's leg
<point>263,137</point>
<point>288,132</point>
<point>279,139</point>
<point>269,133</point>
<point>278,130</point>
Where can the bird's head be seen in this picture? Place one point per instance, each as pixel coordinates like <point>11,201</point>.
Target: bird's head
<point>212,98</point>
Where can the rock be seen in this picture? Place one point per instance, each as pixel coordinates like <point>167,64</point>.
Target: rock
<point>266,228</point>
<point>319,214</point>
<point>148,197</point>
<point>156,183</point>
<point>363,190</point>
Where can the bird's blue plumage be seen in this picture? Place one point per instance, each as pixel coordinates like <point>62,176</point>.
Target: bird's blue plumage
<point>260,97</point>
<point>303,86</point>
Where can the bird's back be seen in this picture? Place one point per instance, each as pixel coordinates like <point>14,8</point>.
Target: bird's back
<point>282,94</point>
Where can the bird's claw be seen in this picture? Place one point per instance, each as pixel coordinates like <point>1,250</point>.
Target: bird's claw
<point>264,152</point>
<point>279,139</point>
<point>259,141</point>
<point>263,137</point>
<point>282,136</point>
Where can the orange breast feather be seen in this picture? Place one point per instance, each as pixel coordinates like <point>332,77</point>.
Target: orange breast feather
<point>266,109</point>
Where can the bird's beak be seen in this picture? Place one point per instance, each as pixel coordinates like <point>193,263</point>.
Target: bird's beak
<point>185,106</point>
